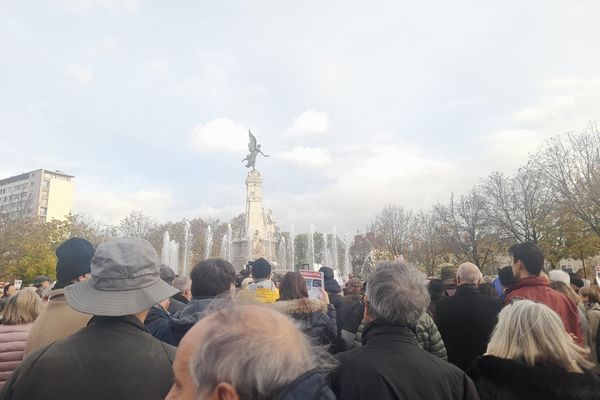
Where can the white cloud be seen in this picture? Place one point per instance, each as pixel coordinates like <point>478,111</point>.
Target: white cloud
<point>220,134</point>
<point>110,207</point>
<point>111,5</point>
<point>160,67</point>
<point>309,123</point>
<point>306,157</point>
<point>82,74</point>
<point>212,81</point>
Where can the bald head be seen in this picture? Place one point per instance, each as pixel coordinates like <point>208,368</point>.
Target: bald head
<point>468,273</point>
<point>236,352</point>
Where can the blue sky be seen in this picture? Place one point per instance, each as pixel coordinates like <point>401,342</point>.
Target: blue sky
<point>359,103</point>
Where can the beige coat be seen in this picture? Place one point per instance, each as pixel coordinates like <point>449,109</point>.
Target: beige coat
<point>57,321</point>
<point>593,314</point>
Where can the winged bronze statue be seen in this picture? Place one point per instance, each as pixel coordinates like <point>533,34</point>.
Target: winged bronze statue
<point>254,149</point>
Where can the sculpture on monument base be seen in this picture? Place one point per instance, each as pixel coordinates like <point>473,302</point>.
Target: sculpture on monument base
<point>254,149</point>
<point>259,236</point>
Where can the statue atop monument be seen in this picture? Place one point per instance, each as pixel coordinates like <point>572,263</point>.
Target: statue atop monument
<point>254,149</point>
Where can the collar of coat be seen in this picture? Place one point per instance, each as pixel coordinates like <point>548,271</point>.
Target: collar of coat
<point>529,281</point>
<point>542,382</point>
<point>300,306</point>
<point>467,288</point>
<point>378,332</point>
<point>98,320</point>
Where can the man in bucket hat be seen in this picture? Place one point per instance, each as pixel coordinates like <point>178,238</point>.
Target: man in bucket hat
<point>114,357</point>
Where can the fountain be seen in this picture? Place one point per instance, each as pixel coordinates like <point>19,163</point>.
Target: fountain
<point>347,267</point>
<point>226,244</point>
<point>173,256</point>
<point>282,256</point>
<point>325,258</point>
<point>311,247</point>
<point>208,239</point>
<point>164,256</point>
<point>187,245</point>
<point>229,241</point>
<point>335,264</point>
<point>292,248</point>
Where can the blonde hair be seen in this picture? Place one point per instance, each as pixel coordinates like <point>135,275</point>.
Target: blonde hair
<point>565,289</point>
<point>22,308</point>
<point>533,333</point>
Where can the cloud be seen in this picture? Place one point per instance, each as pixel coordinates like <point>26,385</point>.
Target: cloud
<point>111,5</point>
<point>220,134</point>
<point>309,123</point>
<point>160,67</point>
<point>306,157</point>
<point>212,81</point>
<point>111,206</point>
<point>82,74</point>
<point>562,105</point>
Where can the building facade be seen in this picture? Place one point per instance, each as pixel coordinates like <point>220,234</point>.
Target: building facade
<point>41,194</point>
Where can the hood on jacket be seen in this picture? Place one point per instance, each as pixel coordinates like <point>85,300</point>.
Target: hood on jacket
<point>544,381</point>
<point>308,386</point>
<point>156,312</point>
<point>192,312</point>
<point>300,306</point>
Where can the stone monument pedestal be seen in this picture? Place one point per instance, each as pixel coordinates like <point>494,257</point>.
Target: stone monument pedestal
<point>258,237</point>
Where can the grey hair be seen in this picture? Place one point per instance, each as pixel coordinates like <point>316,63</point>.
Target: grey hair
<point>182,283</point>
<point>251,355</point>
<point>468,273</point>
<point>397,294</point>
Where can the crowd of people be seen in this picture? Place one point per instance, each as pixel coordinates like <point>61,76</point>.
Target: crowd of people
<point>117,324</point>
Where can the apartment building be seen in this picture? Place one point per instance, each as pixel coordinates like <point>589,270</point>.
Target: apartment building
<point>43,194</point>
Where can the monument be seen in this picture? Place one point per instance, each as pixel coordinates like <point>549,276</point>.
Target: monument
<point>258,238</point>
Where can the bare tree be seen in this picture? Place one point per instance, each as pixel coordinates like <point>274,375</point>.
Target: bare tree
<point>137,225</point>
<point>427,250</point>
<point>572,167</point>
<point>361,255</point>
<point>464,229</point>
<point>519,206</point>
<point>393,229</point>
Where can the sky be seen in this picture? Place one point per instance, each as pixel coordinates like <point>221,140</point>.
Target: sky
<point>359,104</point>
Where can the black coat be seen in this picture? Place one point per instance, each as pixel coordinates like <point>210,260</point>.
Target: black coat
<point>111,358</point>
<point>157,322</point>
<point>308,386</point>
<point>172,329</point>
<point>340,308</point>
<point>502,379</point>
<point>391,365</point>
<point>466,321</point>
<point>315,318</point>
<point>175,305</point>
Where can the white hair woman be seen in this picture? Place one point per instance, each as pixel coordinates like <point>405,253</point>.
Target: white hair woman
<point>531,356</point>
<point>20,312</point>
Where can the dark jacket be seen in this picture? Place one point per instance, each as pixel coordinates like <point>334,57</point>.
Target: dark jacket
<point>111,358</point>
<point>466,321</point>
<point>426,332</point>
<point>340,309</point>
<point>180,298</point>
<point>502,379</point>
<point>308,386</point>
<point>181,322</point>
<point>316,318</point>
<point>391,365</point>
<point>538,289</point>
<point>175,306</point>
<point>157,321</point>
